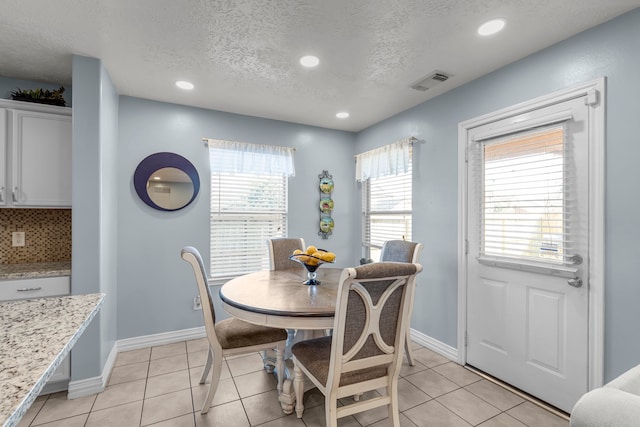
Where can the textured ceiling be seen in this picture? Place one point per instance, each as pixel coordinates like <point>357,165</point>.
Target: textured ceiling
<point>242,55</point>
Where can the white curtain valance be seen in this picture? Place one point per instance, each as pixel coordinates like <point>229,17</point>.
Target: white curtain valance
<point>391,159</point>
<point>243,157</point>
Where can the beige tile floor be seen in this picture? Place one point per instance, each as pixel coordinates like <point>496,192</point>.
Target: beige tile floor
<point>159,386</point>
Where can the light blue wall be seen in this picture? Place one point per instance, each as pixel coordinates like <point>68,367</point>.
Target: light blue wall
<point>109,100</point>
<point>610,50</point>
<point>94,210</point>
<point>155,287</point>
<point>151,278</point>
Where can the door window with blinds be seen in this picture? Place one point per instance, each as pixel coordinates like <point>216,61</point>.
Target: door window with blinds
<point>386,197</point>
<point>249,188</point>
<point>526,209</point>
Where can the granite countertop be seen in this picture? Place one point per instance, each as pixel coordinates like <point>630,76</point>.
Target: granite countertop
<point>35,336</point>
<point>34,270</point>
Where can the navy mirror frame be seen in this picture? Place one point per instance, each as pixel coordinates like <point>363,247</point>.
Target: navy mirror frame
<point>150,164</point>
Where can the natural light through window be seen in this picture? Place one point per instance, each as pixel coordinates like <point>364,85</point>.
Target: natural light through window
<point>525,207</point>
<point>386,210</point>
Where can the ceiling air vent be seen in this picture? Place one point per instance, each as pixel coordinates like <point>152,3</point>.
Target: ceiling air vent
<point>430,81</point>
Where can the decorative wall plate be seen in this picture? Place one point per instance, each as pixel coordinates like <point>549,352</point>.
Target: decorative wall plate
<point>326,205</point>
<point>326,224</point>
<point>326,185</point>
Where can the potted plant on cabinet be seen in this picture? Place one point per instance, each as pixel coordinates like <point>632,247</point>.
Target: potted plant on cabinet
<point>40,96</point>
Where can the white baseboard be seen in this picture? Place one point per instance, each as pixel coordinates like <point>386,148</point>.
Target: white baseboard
<point>145,341</point>
<point>433,344</point>
<point>89,386</point>
<point>97,384</point>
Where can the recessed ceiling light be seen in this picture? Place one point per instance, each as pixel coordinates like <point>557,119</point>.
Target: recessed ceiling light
<point>309,61</point>
<point>491,27</point>
<point>184,85</point>
<point>342,115</point>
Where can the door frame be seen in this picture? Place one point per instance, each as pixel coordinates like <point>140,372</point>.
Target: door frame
<point>594,90</point>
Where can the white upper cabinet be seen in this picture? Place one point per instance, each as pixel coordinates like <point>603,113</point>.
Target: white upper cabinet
<point>37,152</point>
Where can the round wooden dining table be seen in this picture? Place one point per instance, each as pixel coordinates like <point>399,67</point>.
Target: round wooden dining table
<point>281,300</point>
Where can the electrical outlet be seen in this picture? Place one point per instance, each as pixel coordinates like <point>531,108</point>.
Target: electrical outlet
<point>197,305</point>
<point>17,238</point>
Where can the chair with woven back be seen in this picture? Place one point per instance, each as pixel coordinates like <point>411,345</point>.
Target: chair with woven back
<point>280,249</point>
<point>364,352</point>
<point>403,251</point>
<point>230,336</point>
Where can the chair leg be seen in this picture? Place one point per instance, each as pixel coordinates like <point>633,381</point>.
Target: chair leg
<point>407,348</point>
<point>298,388</point>
<point>280,366</point>
<point>215,379</point>
<point>394,411</point>
<point>207,366</point>
<point>331,410</point>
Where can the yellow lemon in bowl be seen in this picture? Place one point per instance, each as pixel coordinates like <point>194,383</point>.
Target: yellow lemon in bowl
<point>311,250</point>
<point>328,256</point>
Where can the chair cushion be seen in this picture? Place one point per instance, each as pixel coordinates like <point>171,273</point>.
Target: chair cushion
<point>235,333</point>
<point>315,354</point>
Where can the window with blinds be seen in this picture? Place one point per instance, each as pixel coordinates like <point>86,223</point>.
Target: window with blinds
<point>246,210</point>
<point>386,211</point>
<point>526,208</point>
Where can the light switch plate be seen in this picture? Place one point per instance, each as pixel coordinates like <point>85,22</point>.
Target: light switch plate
<point>17,238</point>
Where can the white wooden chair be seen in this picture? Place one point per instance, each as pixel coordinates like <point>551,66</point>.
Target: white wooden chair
<point>230,336</point>
<point>403,251</point>
<point>365,351</point>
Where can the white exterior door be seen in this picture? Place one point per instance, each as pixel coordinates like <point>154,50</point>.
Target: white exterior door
<point>527,250</point>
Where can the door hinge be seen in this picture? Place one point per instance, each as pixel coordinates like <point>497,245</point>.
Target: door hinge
<point>466,339</point>
<point>466,246</point>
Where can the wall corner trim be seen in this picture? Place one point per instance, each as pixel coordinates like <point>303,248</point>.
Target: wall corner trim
<point>89,386</point>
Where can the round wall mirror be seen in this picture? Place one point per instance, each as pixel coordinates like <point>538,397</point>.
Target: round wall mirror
<point>166,181</point>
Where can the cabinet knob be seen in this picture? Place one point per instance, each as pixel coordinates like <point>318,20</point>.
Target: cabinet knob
<point>14,194</point>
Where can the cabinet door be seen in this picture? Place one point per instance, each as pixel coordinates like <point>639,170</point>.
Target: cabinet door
<point>3,156</point>
<point>41,159</point>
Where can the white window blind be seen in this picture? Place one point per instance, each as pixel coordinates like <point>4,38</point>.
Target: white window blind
<point>249,186</point>
<point>386,210</point>
<point>527,207</point>
<point>246,210</point>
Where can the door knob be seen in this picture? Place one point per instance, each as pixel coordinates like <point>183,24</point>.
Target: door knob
<point>576,282</point>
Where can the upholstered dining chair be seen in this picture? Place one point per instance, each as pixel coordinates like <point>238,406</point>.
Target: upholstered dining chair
<point>403,251</point>
<point>279,250</point>
<point>365,351</point>
<point>230,336</point>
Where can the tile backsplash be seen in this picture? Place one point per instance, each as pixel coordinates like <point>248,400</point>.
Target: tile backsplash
<point>47,235</point>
